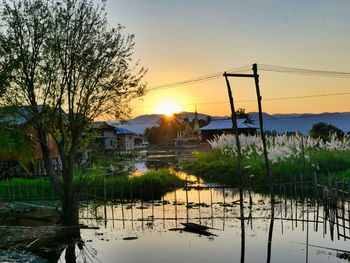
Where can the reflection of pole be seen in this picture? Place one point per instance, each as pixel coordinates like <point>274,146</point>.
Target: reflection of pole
<point>199,207</point>
<point>224,206</point>
<point>186,199</point>
<point>269,246</point>
<point>242,229</point>
<point>307,233</point>
<point>175,207</point>
<point>163,211</point>
<point>187,204</point>
<point>211,207</point>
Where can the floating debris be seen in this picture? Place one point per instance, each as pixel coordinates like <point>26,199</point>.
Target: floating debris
<point>130,238</point>
<point>194,228</point>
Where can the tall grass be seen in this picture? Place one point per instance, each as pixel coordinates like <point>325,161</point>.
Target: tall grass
<point>286,154</point>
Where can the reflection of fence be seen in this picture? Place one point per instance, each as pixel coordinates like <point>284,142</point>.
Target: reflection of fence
<point>302,207</point>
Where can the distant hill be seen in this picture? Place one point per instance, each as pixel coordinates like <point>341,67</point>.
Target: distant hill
<point>302,122</point>
<point>279,122</point>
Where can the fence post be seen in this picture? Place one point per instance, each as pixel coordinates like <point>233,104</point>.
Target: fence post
<point>104,189</point>
<point>8,188</point>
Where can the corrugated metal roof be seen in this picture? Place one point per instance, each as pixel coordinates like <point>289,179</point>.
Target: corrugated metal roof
<point>123,131</point>
<point>226,124</point>
<point>21,117</point>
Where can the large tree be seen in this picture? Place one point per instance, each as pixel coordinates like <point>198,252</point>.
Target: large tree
<point>63,63</point>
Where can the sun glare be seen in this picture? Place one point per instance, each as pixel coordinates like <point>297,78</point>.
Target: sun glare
<point>168,108</point>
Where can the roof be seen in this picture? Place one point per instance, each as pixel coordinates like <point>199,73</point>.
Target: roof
<point>101,125</point>
<point>20,117</point>
<point>226,124</point>
<point>123,131</point>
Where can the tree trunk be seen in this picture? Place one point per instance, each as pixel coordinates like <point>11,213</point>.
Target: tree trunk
<point>69,202</point>
<point>69,198</point>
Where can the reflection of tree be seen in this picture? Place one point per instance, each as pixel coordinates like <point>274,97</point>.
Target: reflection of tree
<point>64,242</point>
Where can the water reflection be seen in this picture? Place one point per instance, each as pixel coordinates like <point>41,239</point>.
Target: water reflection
<point>295,225</point>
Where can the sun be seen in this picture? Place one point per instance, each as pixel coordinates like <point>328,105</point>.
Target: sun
<point>168,107</point>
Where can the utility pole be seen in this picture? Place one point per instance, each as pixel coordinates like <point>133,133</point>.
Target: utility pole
<point>239,158</point>
<point>235,130</point>
<point>256,78</point>
<point>262,132</point>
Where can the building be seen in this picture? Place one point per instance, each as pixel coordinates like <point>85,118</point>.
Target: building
<point>126,139</point>
<point>105,137</point>
<point>109,138</point>
<point>12,162</point>
<point>220,126</point>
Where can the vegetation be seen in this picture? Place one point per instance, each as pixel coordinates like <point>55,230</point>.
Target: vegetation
<point>324,131</point>
<point>168,128</point>
<point>286,154</point>
<point>151,185</point>
<point>62,66</point>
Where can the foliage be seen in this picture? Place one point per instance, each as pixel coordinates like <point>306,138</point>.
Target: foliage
<point>163,135</point>
<point>62,66</point>
<point>241,114</point>
<point>324,131</point>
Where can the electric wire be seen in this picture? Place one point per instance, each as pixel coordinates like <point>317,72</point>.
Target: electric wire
<point>302,71</point>
<point>261,67</point>
<point>268,99</point>
<point>198,79</point>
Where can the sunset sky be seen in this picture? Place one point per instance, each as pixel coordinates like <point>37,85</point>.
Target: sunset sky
<point>182,39</point>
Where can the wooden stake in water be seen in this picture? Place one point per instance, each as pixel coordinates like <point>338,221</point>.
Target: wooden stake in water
<point>104,189</point>
<point>8,189</point>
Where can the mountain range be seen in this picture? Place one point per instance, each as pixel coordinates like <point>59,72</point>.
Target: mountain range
<point>278,122</point>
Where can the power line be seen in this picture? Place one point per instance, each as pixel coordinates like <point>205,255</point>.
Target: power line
<point>302,71</point>
<point>198,79</point>
<point>269,99</point>
<point>262,67</point>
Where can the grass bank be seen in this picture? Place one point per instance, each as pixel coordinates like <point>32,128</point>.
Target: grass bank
<point>152,184</point>
<point>217,167</point>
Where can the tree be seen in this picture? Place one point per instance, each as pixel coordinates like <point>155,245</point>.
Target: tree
<point>241,114</point>
<point>63,62</point>
<point>167,129</point>
<point>324,130</point>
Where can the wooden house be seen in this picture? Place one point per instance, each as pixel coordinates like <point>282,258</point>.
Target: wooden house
<point>105,137</point>
<point>12,162</point>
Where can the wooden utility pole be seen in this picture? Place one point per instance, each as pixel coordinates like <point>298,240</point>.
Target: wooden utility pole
<point>239,158</point>
<point>256,77</point>
<point>235,130</point>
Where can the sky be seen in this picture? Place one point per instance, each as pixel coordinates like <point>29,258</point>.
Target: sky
<point>182,39</point>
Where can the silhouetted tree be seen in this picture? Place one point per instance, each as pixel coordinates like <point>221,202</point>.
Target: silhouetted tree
<point>241,114</point>
<point>324,130</point>
<point>63,62</point>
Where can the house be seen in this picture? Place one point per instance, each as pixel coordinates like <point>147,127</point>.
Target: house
<point>12,162</point>
<point>109,138</point>
<point>220,126</point>
<point>126,139</point>
<point>105,137</point>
